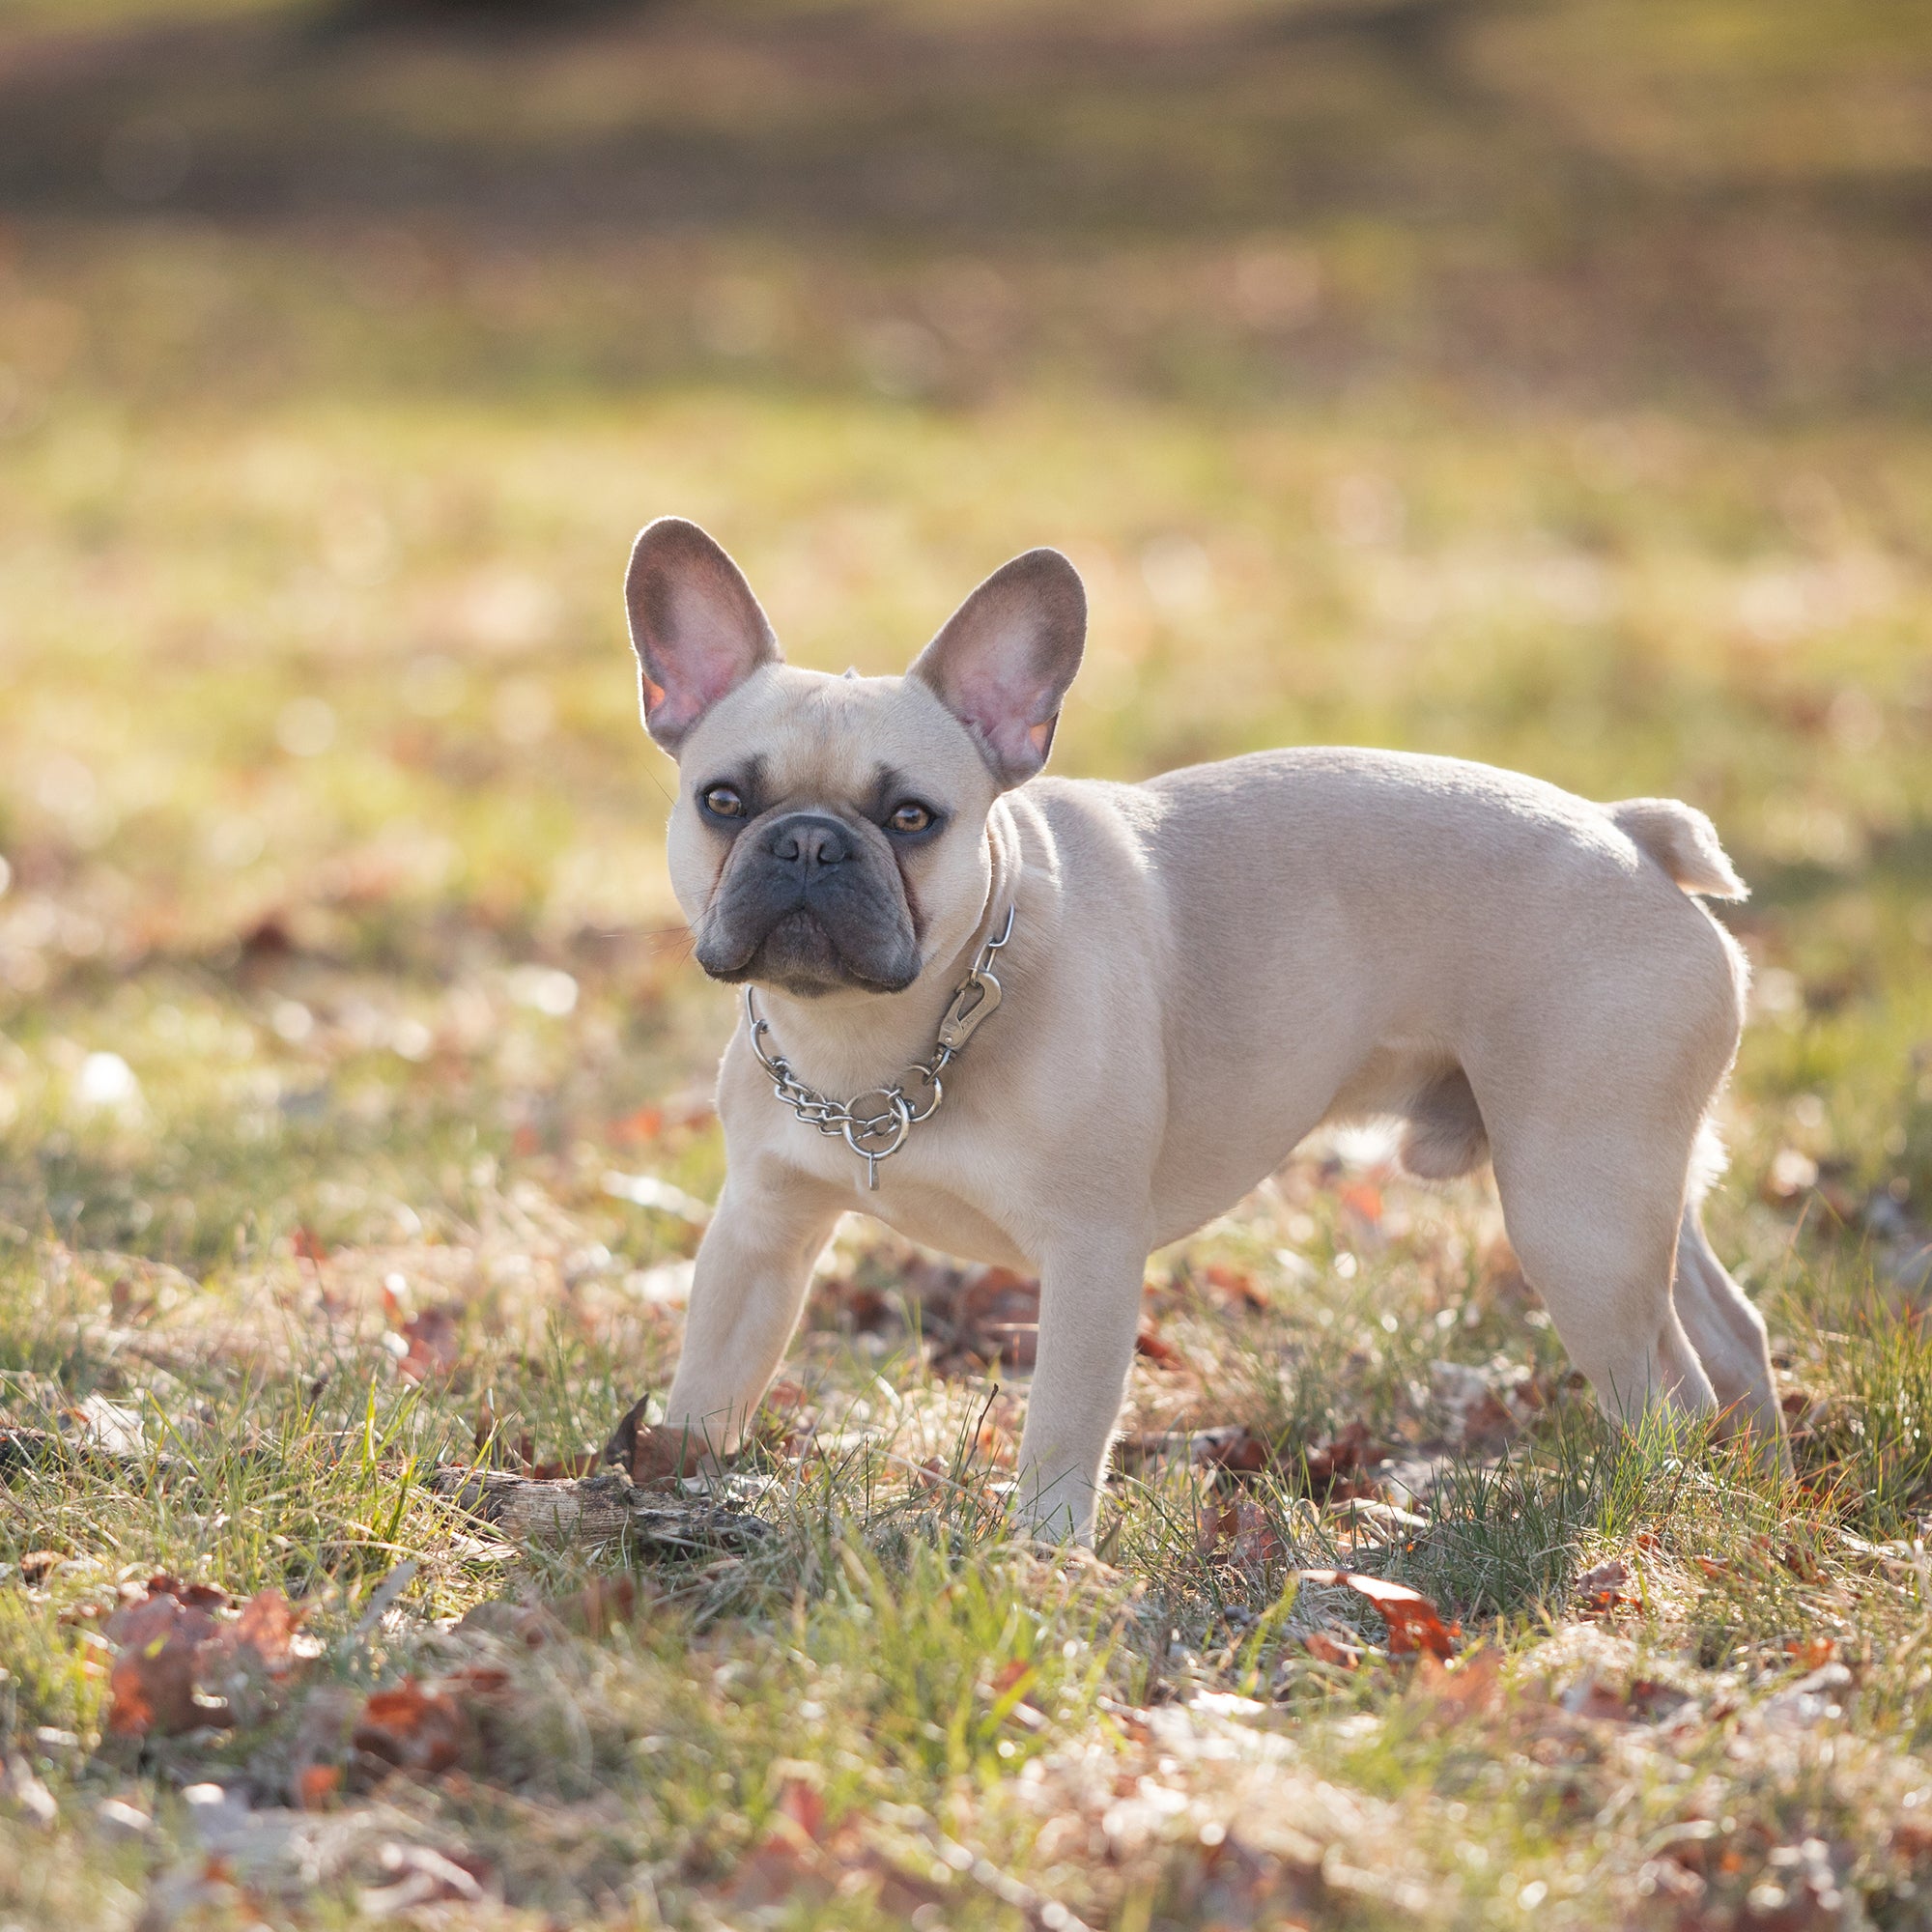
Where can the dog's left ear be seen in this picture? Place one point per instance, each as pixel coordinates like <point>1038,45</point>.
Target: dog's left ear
<point>1004,658</point>
<point>696,628</point>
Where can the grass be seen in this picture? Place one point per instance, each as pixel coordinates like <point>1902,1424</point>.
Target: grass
<point>1545,385</point>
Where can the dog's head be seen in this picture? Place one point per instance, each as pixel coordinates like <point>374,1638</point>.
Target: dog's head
<point>830,833</point>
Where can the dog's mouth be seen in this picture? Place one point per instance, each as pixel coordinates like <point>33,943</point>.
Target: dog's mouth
<point>801,954</point>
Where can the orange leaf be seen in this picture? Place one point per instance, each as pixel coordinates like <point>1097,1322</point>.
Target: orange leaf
<point>1364,1200</point>
<point>316,1785</point>
<point>1414,1623</point>
<point>1602,1589</point>
<point>645,1125</point>
<point>418,1731</point>
<point>803,1803</point>
<point>1235,1284</point>
<point>1161,1352</point>
<point>267,1625</point>
<point>1326,1648</point>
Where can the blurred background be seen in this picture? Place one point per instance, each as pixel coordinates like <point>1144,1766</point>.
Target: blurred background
<point>1547,382</point>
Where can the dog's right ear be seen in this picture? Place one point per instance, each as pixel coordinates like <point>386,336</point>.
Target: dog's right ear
<point>697,628</point>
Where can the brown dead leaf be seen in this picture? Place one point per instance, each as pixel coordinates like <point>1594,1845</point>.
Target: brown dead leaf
<point>267,1625</point>
<point>178,1667</point>
<point>1341,1465</point>
<point>38,1565</point>
<point>996,1316</point>
<point>317,1786</point>
<point>434,1347</point>
<point>1242,1531</point>
<point>1154,1348</point>
<point>419,1730</point>
<point>1810,1653</point>
<point>1327,1647</point>
<point>645,1125</point>
<point>1464,1687</point>
<point>798,1860</point>
<point>151,1683</point>
<point>307,1247</point>
<point>1414,1624</point>
<point>1363,1199</point>
<point>1239,1450</point>
<point>1601,1590</point>
<point>1234,1287</point>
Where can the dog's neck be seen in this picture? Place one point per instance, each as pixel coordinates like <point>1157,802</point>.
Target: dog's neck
<point>846,1043</point>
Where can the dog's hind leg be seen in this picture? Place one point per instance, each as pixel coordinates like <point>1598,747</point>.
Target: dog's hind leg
<point>1593,1207</point>
<point>1729,1336</point>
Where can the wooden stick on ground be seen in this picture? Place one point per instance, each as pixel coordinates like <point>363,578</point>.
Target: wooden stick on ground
<point>598,1509</point>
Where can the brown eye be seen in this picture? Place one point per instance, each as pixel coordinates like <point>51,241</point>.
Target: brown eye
<point>909,817</point>
<point>722,802</point>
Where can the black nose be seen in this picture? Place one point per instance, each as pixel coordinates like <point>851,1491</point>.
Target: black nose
<point>809,841</point>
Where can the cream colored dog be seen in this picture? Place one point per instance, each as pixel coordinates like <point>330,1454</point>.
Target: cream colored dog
<point>1200,970</point>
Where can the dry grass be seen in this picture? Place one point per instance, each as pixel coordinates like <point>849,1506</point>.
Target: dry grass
<point>1542,386</point>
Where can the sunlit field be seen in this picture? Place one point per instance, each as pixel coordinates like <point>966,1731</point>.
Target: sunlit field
<point>1542,386</point>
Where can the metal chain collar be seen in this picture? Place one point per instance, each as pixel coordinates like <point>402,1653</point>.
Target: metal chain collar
<point>874,1134</point>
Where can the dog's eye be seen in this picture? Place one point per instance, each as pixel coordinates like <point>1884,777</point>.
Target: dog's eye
<point>909,817</point>
<point>722,801</point>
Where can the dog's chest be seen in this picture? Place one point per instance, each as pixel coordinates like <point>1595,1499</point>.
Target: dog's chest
<point>938,1219</point>
<point>938,1189</point>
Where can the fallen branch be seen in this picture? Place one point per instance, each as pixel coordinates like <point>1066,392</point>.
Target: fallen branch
<point>598,1509</point>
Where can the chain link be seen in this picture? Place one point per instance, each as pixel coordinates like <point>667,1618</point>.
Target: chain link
<point>876,1132</point>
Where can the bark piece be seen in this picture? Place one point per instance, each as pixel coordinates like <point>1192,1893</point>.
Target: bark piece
<point>599,1509</point>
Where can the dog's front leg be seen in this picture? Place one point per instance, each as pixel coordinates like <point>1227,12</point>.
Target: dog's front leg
<point>745,1292</point>
<point>1090,1307</point>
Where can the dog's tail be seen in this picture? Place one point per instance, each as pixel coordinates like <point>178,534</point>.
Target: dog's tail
<point>1683,841</point>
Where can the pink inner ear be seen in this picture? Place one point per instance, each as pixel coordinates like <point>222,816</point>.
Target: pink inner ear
<point>710,663</point>
<point>1038,734</point>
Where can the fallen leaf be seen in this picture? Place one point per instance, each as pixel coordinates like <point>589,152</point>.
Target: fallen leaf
<point>38,1565</point>
<point>1414,1624</point>
<point>151,1683</point>
<point>267,1625</point>
<point>1363,1198</point>
<point>1341,1464</point>
<point>178,1667</point>
<point>1466,1686</point>
<point>433,1344</point>
<point>1234,1285</point>
<point>645,1125</point>
<point>1242,1451</point>
<point>1327,1648</point>
<point>1602,1589</point>
<point>980,1317</point>
<point>317,1786</point>
<point>1810,1653</point>
<point>418,1730</point>
<point>1158,1351</point>
<point>307,1247</point>
<point>1245,1528</point>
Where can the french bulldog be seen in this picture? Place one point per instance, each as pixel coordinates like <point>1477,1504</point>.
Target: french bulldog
<point>1196,973</point>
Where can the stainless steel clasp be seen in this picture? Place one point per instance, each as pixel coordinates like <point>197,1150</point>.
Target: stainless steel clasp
<point>973,1004</point>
